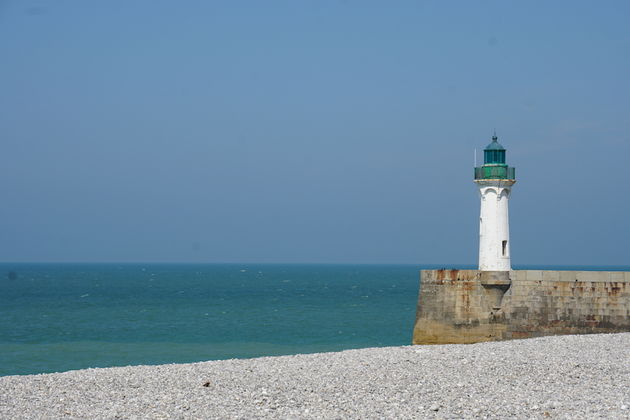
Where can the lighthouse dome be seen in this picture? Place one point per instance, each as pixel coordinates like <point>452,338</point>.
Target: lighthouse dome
<point>495,144</point>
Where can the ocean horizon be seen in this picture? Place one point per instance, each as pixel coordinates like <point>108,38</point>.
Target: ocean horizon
<point>64,316</point>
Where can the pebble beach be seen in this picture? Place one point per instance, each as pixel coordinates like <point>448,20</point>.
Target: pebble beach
<point>572,377</point>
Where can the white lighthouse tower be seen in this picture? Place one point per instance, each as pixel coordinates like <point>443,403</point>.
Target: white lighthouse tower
<point>494,180</point>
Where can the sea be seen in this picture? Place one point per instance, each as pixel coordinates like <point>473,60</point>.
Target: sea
<point>59,317</point>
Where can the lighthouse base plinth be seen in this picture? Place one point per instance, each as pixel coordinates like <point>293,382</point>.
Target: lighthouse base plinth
<point>495,284</point>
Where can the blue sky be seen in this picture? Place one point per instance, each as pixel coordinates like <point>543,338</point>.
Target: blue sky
<point>303,131</point>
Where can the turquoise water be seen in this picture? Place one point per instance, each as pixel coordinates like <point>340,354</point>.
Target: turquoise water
<point>57,317</point>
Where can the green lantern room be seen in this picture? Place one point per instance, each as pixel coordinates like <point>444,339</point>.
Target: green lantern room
<point>494,166</point>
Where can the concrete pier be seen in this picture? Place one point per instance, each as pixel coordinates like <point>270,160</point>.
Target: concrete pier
<point>471,306</point>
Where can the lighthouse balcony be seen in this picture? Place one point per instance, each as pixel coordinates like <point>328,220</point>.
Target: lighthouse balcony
<point>494,172</point>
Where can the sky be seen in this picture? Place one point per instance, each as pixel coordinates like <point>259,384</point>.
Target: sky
<point>311,131</point>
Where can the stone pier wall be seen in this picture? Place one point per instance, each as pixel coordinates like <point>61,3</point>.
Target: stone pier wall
<point>470,306</point>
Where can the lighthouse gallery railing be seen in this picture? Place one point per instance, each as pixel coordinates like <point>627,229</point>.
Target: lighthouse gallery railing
<point>494,172</point>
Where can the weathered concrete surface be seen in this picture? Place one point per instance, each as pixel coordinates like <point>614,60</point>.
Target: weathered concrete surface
<point>471,306</point>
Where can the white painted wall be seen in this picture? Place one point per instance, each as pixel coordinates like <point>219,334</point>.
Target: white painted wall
<point>494,226</point>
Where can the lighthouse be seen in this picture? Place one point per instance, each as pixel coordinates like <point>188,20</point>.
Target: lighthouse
<point>494,180</point>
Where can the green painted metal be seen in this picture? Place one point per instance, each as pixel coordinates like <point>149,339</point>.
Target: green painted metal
<point>494,153</point>
<point>494,157</point>
<point>495,144</point>
<point>495,172</point>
